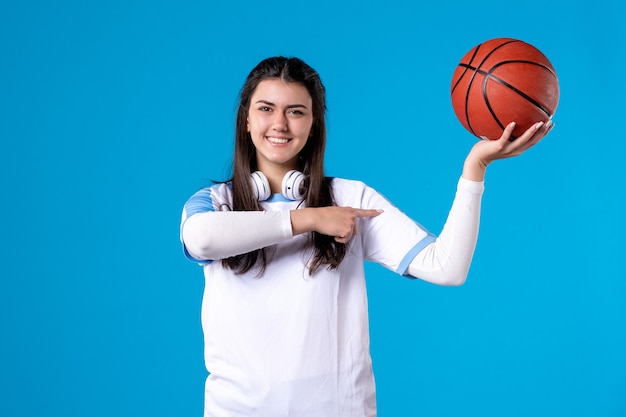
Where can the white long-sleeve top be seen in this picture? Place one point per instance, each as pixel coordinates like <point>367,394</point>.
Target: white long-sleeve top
<point>211,235</point>
<point>288,343</point>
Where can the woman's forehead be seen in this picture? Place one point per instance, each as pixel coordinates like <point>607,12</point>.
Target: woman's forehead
<point>279,91</point>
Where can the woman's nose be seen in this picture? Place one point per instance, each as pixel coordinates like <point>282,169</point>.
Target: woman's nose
<point>280,122</point>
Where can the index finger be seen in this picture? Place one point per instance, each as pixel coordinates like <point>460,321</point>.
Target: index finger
<point>367,212</point>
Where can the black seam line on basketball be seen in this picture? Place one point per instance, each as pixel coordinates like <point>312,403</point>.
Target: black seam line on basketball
<point>495,49</point>
<point>512,61</point>
<point>469,86</point>
<point>490,76</point>
<point>467,93</point>
<point>466,68</point>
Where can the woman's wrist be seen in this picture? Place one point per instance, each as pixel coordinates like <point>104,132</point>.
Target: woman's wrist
<point>301,221</point>
<point>474,168</point>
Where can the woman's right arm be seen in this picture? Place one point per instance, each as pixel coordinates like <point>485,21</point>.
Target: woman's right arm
<point>219,235</point>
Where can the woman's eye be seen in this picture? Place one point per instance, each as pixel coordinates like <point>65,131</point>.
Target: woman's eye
<point>265,108</point>
<point>296,112</point>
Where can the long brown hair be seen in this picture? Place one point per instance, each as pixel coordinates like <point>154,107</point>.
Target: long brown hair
<point>311,160</point>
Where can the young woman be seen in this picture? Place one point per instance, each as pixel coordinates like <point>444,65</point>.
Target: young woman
<point>284,311</point>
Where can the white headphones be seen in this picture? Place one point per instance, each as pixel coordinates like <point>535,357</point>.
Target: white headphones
<point>292,187</point>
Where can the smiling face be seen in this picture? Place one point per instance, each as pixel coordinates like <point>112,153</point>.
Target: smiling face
<point>280,118</point>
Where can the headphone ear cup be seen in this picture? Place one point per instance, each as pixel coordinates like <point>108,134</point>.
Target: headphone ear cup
<point>292,186</point>
<point>260,186</point>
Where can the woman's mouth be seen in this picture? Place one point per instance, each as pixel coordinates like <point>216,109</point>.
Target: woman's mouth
<point>277,141</point>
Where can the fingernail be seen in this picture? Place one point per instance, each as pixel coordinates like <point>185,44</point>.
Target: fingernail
<point>538,125</point>
<point>380,211</point>
<point>512,124</point>
<point>484,138</point>
<point>550,123</point>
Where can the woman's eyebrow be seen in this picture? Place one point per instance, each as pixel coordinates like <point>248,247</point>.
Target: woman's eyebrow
<point>292,106</point>
<point>289,106</point>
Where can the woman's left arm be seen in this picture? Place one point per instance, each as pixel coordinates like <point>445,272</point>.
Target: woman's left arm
<point>446,261</point>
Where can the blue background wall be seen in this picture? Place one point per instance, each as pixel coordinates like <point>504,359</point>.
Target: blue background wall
<point>113,112</point>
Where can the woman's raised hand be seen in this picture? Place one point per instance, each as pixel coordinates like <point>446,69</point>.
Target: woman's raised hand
<point>486,151</point>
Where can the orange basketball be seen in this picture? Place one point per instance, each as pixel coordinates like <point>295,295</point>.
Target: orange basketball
<point>500,81</point>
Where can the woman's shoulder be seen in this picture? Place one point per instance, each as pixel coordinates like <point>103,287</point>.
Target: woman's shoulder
<point>347,191</point>
<point>215,197</point>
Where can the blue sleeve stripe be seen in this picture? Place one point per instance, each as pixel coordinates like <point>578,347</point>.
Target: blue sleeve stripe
<point>200,202</point>
<point>408,258</point>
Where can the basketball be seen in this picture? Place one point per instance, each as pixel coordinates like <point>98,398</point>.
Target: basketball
<point>500,81</point>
